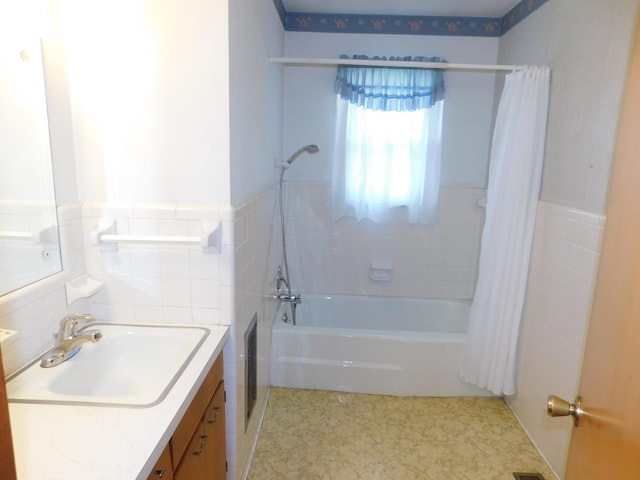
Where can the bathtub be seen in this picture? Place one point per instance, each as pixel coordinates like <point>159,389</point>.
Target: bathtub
<point>380,345</point>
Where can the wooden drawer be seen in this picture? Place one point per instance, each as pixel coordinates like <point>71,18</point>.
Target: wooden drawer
<point>214,420</point>
<point>194,464</point>
<point>195,412</point>
<point>163,469</point>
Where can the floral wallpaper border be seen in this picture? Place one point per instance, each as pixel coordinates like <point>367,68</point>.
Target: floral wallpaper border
<point>407,24</point>
<point>518,13</point>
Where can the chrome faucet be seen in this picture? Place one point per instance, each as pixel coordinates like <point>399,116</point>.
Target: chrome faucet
<point>283,294</point>
<point>69,339</point>
<point>294,298</point>
<point>280,279</point>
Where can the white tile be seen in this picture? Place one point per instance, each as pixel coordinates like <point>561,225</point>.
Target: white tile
<point>176,292</point>
<point>147,291</point>
<point>227,267</point>
<point>118,290</point>
<point>173,227</point>
<point>148,314</point>
<point>120,313</point>
<point>154,210</point>
<point>142,226</point>
<point>177,315</point>
<point>174,264</point>
<point>145,262</point>
<point>207,316</point>
<point>118,263</point>
<point>205,293</point>
<point>204,266</point>
<point>196,212</point>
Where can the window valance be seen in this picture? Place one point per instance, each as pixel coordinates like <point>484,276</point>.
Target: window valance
<point>391,88</point>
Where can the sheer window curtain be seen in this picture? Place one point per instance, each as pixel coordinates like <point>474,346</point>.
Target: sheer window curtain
<point>387,149</point>
<point>515,175</point>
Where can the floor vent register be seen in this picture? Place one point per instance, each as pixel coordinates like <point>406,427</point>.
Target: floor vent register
<point>527,476</point>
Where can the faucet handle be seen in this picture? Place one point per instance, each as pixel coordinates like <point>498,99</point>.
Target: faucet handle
<point>70,324</point>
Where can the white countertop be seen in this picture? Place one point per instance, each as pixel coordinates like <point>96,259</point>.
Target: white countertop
<point>71,442</point>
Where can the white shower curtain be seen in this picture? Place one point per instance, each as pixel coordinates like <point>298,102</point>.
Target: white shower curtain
<point>515,173</point>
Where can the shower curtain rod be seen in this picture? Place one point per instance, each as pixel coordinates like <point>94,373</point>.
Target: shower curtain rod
<point>394,63</point>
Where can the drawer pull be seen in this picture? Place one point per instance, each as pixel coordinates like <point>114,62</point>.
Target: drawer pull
<point>159,473</point>
<point>203,440</point>
<point>213,420</point>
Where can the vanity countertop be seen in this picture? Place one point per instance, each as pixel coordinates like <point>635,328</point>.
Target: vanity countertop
<point>72,442</point>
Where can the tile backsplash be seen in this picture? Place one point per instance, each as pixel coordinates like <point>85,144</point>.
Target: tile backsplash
<point>154,282</point>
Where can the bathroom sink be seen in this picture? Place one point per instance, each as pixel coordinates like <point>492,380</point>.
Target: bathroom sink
<point>131,366</point>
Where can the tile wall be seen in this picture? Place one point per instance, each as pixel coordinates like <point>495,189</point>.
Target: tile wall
<point>161,283</point>
<point>560,288</point>
<point>255,268</point>
<point>427,260</point>
<point>35,310</point>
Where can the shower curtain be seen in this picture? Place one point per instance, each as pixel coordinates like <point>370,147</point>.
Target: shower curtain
<point>515,173</point>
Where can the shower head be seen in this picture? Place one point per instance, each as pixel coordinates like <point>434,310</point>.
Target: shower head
<point>306,148</point>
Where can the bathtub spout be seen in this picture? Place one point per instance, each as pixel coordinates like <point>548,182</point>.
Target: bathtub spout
<point>294,298</point>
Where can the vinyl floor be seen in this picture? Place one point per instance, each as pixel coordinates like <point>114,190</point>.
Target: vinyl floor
<point>320,435</point>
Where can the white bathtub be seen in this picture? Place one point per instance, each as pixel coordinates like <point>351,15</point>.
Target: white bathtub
<point>389,346</point>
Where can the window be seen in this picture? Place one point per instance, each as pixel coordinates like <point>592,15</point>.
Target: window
<point>387,148</point>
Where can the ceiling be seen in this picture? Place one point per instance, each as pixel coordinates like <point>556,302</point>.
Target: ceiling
<point>463,8</point>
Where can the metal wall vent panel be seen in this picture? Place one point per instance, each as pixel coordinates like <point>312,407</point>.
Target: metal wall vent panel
<point>251,367</point>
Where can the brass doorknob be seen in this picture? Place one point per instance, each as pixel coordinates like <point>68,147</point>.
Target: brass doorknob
<point>558,407</point>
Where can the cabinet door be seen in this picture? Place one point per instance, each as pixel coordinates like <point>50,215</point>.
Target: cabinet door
<point>184,433</point>
<point>194,464</point>
<point>163,469</point>
<point>216,451</point>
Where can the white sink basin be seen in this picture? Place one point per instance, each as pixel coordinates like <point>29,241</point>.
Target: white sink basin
<point>132,366</point>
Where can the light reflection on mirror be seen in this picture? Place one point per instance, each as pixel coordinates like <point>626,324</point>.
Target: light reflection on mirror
<point>29,244</point>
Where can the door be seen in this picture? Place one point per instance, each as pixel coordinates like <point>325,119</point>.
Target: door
<point>606,443</point>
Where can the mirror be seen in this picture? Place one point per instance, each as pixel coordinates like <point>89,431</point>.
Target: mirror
<point>29,243</point>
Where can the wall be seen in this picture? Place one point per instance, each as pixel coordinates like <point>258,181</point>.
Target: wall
<point>334,257</point>
<point>309,101</point>
<point>586,43</point>
<point>34,311</point>
<point>255,89</point>
<point>256,34</point>
<point>428,261</point>
<point>147,142</point>
<point>253,273</point>
<point>255,85</point>
<point>556,315</point>
<point>150,105</point>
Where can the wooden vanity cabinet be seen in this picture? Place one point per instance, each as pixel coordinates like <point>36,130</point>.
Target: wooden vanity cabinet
<point>214,429</point>
<point>193,465</point>
<point>163,469</point>
<point>198,446</point>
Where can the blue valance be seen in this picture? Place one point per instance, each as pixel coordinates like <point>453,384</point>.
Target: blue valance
<point>391,88</point>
